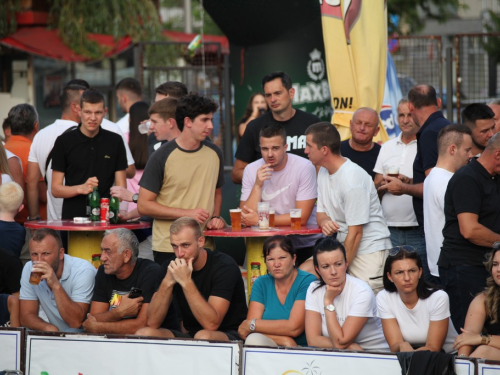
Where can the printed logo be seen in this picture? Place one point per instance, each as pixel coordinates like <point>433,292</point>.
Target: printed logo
<point>310,369</point>
<point>315,66</point>
<point>270,196</point>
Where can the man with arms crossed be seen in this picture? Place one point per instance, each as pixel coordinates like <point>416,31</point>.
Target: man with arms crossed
<point>113,309</point>
<point>285,181</point>
<point>454,148</point>
<point>279,93</point>
<point>348,205</point>
<point>184,177</point>
<point>207,286</point>
<point>65,289</point>
<point>472,226</point>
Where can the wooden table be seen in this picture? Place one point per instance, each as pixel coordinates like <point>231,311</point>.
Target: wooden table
<point>255,239</point>
<point>84,239</point>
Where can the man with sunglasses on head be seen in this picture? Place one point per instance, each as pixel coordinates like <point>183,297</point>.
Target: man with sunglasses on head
<point>471,205</point>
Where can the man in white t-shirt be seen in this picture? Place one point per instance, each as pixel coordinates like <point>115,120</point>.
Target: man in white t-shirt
<point>400,153</point>
<point>128,92</point>
<point>454,150</point>
<point>284,180</point>
<point>44,142</point>
<point>348,205</point>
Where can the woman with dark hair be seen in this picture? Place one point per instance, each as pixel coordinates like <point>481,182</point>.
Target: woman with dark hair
<point>138,144</point>
<point>256,106</point>
<point>415,314</point>
<point>480,337</point>
<point>276,311</point>
<point>341,311</point>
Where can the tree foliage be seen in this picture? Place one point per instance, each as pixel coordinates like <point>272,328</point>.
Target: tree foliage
<point>75,19</point>
<point>491,44</point>
<point>8,24</point>
<point>409,16</point>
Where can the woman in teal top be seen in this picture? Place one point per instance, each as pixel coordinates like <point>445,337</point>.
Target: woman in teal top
<point>277,304</point>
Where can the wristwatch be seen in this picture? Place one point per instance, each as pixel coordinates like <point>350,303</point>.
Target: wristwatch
<point>330,307</point>
<point>252,325</point>
<point>135,198</point>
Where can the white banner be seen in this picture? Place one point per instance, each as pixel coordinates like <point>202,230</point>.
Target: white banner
<point>93,355</point>
<point>263,361</point>
<point>488,369</point>
<point>10,349</point>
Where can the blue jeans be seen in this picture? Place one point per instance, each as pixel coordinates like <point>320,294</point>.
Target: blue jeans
<point>412,237</point>
<point>462,283</point>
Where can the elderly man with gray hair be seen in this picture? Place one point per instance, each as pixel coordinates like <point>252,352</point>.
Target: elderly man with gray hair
<point>124,285</point>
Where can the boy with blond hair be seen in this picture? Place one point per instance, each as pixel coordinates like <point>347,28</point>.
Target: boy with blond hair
<point>12,234</point>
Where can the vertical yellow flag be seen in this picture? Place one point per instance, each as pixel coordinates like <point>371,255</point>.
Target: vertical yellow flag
<point>355,35</point>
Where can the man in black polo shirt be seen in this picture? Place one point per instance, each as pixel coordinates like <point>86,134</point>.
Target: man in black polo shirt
<point>424,109</point>
<point>86,157</point>
<point>471,208</point>
<point>279,93</point>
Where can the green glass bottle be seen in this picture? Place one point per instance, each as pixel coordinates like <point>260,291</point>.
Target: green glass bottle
<point>114,209</point>
<point>95,205</point>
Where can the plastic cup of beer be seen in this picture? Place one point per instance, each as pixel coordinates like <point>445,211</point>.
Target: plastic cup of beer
<point>35,277</point>
<point>263,212</point>
<point>272,213</point>
<point>391,170</point>
<point>295,216</point>
<point>235,214</point>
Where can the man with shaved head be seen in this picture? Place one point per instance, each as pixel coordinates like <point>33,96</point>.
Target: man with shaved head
<point>361,149</point>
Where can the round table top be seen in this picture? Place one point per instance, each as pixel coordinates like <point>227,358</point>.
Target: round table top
<point>69,225</point>
<point>256,232</point>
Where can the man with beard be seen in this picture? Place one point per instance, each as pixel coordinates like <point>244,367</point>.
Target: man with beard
<point>481,121</point>
<point>65,288</point>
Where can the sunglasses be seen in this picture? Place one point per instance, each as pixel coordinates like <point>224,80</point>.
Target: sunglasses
<point>395,250</point>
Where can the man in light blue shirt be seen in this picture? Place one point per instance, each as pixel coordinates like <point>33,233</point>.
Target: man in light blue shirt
<point>65,289</point>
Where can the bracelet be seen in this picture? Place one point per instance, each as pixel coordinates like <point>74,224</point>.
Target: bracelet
<point>485,339</point>
<point>215,217</point>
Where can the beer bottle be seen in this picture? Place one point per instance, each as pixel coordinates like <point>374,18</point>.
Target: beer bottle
<point>114,209</point>
<point>95,205</point>
<point>254,272</point>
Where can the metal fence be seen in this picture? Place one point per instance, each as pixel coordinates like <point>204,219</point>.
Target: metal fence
<point>418,60</point>
<point>473,74</point>
<point>476,73</point>
<point>207,74</point>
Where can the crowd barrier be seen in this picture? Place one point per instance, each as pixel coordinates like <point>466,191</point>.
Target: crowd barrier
<point>36,353</point>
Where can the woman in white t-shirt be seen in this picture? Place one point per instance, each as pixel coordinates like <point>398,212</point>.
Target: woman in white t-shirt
<point>341,311</point>
<point>415,314</point>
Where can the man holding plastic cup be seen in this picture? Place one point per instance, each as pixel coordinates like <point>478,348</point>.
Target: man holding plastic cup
<point>286,181</point>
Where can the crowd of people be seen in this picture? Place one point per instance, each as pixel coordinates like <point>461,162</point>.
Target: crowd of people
<point>407,259</point>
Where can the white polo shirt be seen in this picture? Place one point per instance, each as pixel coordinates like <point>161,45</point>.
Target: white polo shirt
<point>398,210</point>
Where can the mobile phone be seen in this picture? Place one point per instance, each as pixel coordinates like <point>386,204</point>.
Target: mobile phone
<point>135,293</point>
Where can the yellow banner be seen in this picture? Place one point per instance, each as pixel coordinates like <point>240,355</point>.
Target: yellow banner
<point>355,35</point>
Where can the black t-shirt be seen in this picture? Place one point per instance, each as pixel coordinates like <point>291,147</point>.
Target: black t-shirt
<point>249,147</point>
<point>426,157</point>
<point>365,159</point>
<point>220,277</point>
<point>12,236</point>
<point>471,190</point>
<point>110,289</point>
<point>81,157</point>
<point>11,269</point>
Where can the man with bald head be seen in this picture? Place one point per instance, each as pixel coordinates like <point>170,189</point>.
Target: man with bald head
<point>472,227</point>
<point>360,148</point>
